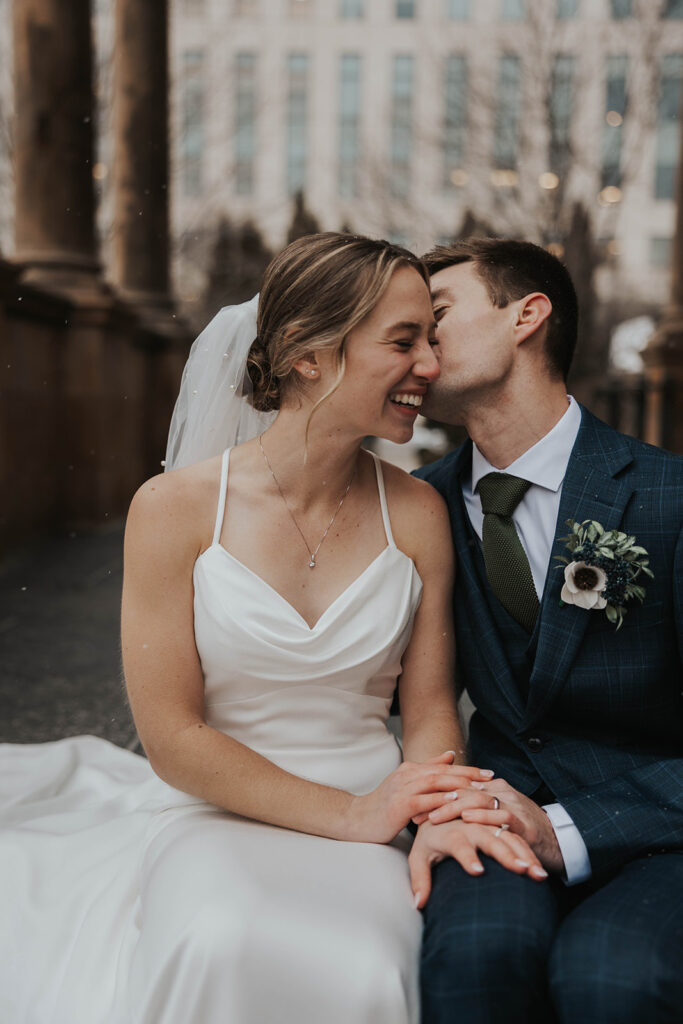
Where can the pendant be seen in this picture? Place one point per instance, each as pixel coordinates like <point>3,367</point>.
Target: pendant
<point>311,564</point>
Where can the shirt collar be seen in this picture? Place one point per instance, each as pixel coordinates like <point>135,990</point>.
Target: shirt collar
<point>545,463</point>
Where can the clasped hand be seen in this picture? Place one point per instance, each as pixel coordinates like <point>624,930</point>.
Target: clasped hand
<point>494,818</point>
<point>461,811</point>
<point>410,792</point>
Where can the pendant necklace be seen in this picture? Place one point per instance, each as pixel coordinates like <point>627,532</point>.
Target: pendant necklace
<point>312,554</point>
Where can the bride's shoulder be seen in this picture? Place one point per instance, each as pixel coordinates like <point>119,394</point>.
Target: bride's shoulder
<point>179,490</point>
<point>177,508</point>
<point>418,513</point>
<point>411,495</point>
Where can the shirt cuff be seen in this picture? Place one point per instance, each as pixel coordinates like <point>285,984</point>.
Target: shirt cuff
<point>577,863</point>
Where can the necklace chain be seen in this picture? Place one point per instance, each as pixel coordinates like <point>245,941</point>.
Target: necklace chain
<point>312,554</point>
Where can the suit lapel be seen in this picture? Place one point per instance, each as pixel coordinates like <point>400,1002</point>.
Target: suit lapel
<point>475,605</point>
<point>589,491</point>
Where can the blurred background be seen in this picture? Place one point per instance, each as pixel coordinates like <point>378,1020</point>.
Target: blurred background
<point>155,155</point>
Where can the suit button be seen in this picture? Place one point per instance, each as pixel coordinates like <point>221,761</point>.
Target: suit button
<point>535,743</point>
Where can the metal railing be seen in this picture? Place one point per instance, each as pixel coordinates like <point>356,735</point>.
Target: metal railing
<point>637,406</point>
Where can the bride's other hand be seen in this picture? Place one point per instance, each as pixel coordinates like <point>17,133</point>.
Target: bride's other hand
<point>413,789</point>
<point>497,803</point>
<point>463,842</point>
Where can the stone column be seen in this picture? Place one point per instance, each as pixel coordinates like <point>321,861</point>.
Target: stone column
<point>140,268</point>
<point>55,232</point>
<point>664,355</point>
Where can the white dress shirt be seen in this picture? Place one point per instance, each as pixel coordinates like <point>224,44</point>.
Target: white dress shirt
<point>544,465</point>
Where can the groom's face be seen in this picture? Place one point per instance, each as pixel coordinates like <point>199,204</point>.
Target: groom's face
<point>476,343</point>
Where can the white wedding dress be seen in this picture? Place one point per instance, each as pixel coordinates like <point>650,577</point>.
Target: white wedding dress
<point>125,901</point>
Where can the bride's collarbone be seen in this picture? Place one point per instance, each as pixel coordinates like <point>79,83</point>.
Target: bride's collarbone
<point>268,524</point>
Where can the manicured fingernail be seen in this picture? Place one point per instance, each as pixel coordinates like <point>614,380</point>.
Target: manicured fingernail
<point>521,863</point>
<point>416,900</point>
<point>452,753</point>
<point>486,773</point>
<point>452,796</point>
<point>478,785</point>
<point>478,868</point>
<point>539,872</point>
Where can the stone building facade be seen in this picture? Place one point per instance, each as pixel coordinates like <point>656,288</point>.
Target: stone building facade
<point>402,117</point>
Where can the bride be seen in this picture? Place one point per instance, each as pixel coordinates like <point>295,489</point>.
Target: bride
<point>274,593</point>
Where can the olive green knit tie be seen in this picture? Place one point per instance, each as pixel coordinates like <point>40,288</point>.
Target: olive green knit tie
<point>507,565</point>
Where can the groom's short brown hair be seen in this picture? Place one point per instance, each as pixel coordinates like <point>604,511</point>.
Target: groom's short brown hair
<point>510,270</point>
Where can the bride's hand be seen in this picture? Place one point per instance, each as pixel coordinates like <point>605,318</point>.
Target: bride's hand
<point>411,790</point>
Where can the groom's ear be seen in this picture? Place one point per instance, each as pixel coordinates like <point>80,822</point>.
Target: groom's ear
<point>532,311</point>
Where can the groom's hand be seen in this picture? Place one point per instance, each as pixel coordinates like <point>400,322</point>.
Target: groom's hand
<point>463,842</point>
<point>497,803</point>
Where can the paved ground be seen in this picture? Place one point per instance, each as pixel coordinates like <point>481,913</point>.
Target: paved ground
<point>60,666</point>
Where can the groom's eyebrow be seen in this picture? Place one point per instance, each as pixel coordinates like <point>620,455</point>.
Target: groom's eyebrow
<point>441,293</point>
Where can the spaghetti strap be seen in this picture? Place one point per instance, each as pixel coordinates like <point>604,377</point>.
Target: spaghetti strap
<point>220,511</point>
<point>383,501</point>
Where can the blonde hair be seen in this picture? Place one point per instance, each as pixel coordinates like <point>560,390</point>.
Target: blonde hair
<point>313,295</point>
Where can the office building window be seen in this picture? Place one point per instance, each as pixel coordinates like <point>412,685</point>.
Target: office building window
<point>668,130</point>
<point>193,7</point>
<point>245,122</point>
<point>297,121</point>
<point>673,9</point>
<point>660,253</point>
<point>512,10</point>
<point>458,10</point>
<point>506,140</point>
<point>561,102</point>
<point>192,138</point>
<point>245,8</point>
<point>352,9</point>
<point>615,112</point>
<point>401,124</point>
<point>349,124</point>
<point>621,8</point>
<point>405,8</point>
<point>455,121</point>
<point>566,8</point>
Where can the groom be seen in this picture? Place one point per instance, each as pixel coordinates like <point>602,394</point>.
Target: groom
<point>582,722</point>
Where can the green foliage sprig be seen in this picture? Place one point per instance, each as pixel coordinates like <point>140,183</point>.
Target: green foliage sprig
<point>619,557</point>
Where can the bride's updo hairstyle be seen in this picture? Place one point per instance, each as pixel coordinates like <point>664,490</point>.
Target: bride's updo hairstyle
<point>313,295</point>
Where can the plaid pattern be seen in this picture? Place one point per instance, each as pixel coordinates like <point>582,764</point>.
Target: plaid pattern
<point>602,724</point>
<point>501,949</point>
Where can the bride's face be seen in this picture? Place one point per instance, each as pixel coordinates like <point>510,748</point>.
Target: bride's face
<point>390,361</point>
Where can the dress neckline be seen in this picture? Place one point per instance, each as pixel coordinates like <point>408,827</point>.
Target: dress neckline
<point>287,604</point>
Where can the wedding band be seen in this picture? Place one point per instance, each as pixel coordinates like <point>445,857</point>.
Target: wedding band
<point>496,803</point>
<point>501,828</point>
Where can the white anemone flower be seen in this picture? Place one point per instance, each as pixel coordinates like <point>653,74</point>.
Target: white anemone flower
<point>583,585</point>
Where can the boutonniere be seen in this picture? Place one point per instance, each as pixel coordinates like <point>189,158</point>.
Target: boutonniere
<point>603,569</point>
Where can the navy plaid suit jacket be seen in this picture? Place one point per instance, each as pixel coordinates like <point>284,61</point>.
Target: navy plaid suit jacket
<point>602,724</point>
